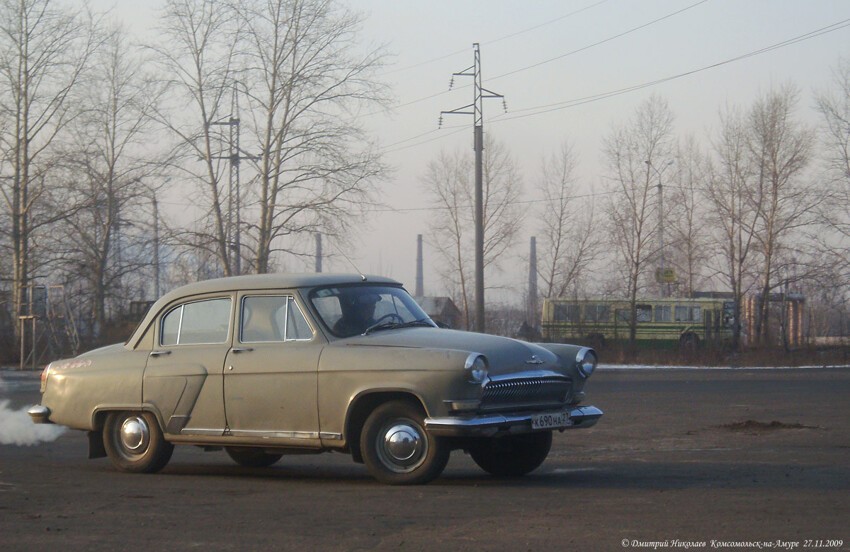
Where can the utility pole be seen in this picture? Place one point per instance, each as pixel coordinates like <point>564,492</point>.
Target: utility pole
<point>155,247</point>
<point>665,289</point>
<point>420,278</point>
<point>532,284</point>
<point>479,95</point>
<point>233,233</point>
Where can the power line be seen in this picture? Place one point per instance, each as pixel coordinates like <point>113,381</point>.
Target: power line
<point>609,39</point>
<point>494,41</point>
<point>522,202</point>
<point>548,108</point>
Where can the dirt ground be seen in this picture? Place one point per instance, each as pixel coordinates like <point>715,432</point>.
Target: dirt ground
<point>682,459</point>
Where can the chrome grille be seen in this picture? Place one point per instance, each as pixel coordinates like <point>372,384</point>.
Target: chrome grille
<point>525,393</point>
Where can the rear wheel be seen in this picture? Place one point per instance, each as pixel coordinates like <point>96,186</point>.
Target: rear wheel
<point>513,455</point>
<point>252,457</point>
<point>396,448</point>
<point>134,442</point>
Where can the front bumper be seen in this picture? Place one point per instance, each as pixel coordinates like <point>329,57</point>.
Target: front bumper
<point>39,414</point>
<point>488,425</point>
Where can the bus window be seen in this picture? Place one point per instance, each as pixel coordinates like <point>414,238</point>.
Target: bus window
<point>644,314</point>
<point>663,314</point>
<point>566,312</point>
<point>596,313</point>
<point>688,314</point>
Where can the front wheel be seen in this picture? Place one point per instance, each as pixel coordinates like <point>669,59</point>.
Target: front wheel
<point>512,456</point>
<point>396,448</point>
<point>252,457</point>
<point>134,442</point>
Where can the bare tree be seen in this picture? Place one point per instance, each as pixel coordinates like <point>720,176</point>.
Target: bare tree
<point>834,107</point>
<point>632,151</point>
<point>570,240</point>
<point>293,69</point>
<point>306,78</point>
<point>689,237</point>
<point>199,40</point>
<point>449,179</point>
<point>730,205</point>
<point>43,52</point>
<point>108,239</point>
<point>780,149</point>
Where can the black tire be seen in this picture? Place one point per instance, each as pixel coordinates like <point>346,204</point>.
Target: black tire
<point>134,442</point>
<point>512,456</point>
<point>251,457</point>
<point>396,448</point>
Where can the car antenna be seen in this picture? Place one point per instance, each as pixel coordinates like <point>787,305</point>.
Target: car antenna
<point>357,270</point>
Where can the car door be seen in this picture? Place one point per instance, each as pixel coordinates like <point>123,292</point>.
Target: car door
<point>270,376</point>
<point>183,376</point>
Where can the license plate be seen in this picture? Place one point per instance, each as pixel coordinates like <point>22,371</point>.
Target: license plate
<point>550,420</point>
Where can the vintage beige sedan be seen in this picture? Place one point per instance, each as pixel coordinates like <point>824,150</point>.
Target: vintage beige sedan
<point>268,365</point>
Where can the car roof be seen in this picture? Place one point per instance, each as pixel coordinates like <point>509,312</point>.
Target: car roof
<point>276,281</point>
<point>257,282</point>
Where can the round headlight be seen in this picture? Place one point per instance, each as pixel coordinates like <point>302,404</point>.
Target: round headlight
<point>476,366</point>
<point>586,361</point>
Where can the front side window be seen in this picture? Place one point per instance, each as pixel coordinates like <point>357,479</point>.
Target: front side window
<point>195,323</point>
<point>271,318</point>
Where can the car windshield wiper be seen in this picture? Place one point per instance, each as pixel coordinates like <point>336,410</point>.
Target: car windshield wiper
<point>395,325</point>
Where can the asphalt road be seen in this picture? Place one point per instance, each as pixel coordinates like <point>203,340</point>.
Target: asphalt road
<point>737,460</point>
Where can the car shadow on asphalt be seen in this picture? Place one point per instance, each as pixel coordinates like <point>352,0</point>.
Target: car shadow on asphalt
<point>612,475</point>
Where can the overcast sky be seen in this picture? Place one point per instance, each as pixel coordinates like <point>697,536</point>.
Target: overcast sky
<point>554,53</point>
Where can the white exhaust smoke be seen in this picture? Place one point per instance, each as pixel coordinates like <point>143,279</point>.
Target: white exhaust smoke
<point>16,428</point>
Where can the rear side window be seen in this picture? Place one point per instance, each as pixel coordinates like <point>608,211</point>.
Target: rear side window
<point>196,323</point>
<point>271,318</point>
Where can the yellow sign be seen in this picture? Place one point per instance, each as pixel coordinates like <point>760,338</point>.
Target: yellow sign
<point>666,276</point>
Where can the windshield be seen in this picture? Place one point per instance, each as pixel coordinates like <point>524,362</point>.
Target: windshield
<point>362,309</point>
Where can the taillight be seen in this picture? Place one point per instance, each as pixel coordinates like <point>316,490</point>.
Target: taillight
<point>44,375</point>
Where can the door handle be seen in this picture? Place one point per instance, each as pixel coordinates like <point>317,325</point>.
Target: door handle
<point>242,349</point>
<point>159,353</point>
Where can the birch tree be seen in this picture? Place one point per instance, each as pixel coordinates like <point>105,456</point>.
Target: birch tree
<point>689,236</point>
<point>43,52</point>
<point>631,152</point>
<point>731,213</point>
<point>784,202</point>
<point>113,168</point>
<point>307,78</point>
<point>834,107</point>
<point>449,179</point>
<point>197,51</point>
<point>569,235</point>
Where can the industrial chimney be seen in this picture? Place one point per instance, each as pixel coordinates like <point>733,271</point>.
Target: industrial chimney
<point>420,279</point>
<point>318,252</point>
<point>531,315</point>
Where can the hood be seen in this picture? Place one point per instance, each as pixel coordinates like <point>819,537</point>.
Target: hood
<point>503,354</point>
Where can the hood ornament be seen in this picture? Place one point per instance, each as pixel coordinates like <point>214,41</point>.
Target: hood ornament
<point>534,360</point>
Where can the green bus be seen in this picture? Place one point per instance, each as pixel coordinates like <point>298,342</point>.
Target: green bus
<point>684,322</point>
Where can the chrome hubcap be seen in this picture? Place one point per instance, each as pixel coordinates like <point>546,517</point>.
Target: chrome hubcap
<point>402,447</point>
<point>134,434</point>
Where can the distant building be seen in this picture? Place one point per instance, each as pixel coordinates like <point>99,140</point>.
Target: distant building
<point>442,310</point>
